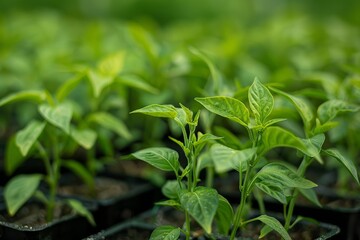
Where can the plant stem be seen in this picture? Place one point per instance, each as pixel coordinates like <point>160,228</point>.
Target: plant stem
<point>290,209</point>
<point>187,222</point>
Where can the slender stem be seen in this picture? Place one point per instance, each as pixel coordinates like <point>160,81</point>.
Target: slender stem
<point>187,222</point>
<point>288,212</point>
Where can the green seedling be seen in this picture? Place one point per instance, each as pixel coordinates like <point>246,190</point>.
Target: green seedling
<point>42,139</point>
<point>199,203</point>
<point>274,178</point>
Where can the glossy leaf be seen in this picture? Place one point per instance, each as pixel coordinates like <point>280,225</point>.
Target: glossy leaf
<point>227,107</point>
<point>273,189</point>
<point>226,158</point>
<point>80,209</point>
<point>330,109</point>
<point>59,116</point>
<point>162,158</point>
<point>165,232</point>
<point>84,137</point>
<point>278,137</point>
<point>30,95</point>
<point>224,215</point>
<point>346,162</point>
<point>201,204</point>
<point>19,190</point>
<point>158,110</point>
<point>111,123</point>
<point>274,224</point>
<point>170,203</point>
<point>261,101</point>
<point>281,175</point>
<point>27,137</point>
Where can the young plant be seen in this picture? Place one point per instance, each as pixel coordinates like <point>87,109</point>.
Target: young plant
<point>44,139</point>
<point>202,204</point>
<point>315,126</point>
<point>274,178</point>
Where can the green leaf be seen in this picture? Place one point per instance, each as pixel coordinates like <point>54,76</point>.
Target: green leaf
<point>265,230</point>
<point>65,89</point>
<point>171,189</point>
<point>158,110</point>
<point>346,162</point>
<point>188,113</point>
<point>19,190</point>
<point>226,158</point>
<point>302,106</point>
<point>136,82</point>
<point>27,137</point>
<point>99,81</point>
<point>165,232</point>
<point>261,101</point>
<point>59,116</point>
<point>274,137</point>
<point>112,64</point>
<point>30,95</point>
<point>80,209</point>
<point>201,204</point>
<point>84,137</point>
<point>274,224</point>
<point>330,109</point>
<point>13,156</point>
<point>204,138</point>
<point>162,158</point>
<point>227,107</point>
<point>310,195</point>
<point>224,215</point>
<point>169,203</point>
<point>111,123</point>
<point>281,175</point>
<point>273,189</point>
<point>79,170</point>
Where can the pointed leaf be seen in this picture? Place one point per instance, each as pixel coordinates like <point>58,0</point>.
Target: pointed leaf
<point>171,189</point>
<point>80,209</point>
<point>274,224</point>
<point>112,64</point>
<point>99,81</point>
<point>226,158</point>
<point>27,137</point>
<point>169,203</point>
<point>227,107</point>
<point>261,101</point>
<point>19,190</point>
<point>207,137</point>
<point>165,233</point>
<point>224,215</point>
<point>136,82</point>
<point>59,116</point>
<point>65,89</point>
<point>158,110</point>
<point>13,156</point>
<point>32,95</point>
<point>310,195</point>
<point>201,204</point>
<point>162,158</point>
<point>111,123</point>
<point>84,137</point>
<point>278,137</point>
<point>81,171</point>
<point>330,109</point>
<point>273,189</point>
<point>346,162</point>
<point>302,106</point>
<point>281,175</point>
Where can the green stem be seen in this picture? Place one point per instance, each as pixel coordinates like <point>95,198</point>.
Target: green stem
<point>288,212</point>
<point>187,222</point>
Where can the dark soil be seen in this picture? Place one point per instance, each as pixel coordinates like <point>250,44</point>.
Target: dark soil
<point>34,215</point>
<point>105,188</point>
